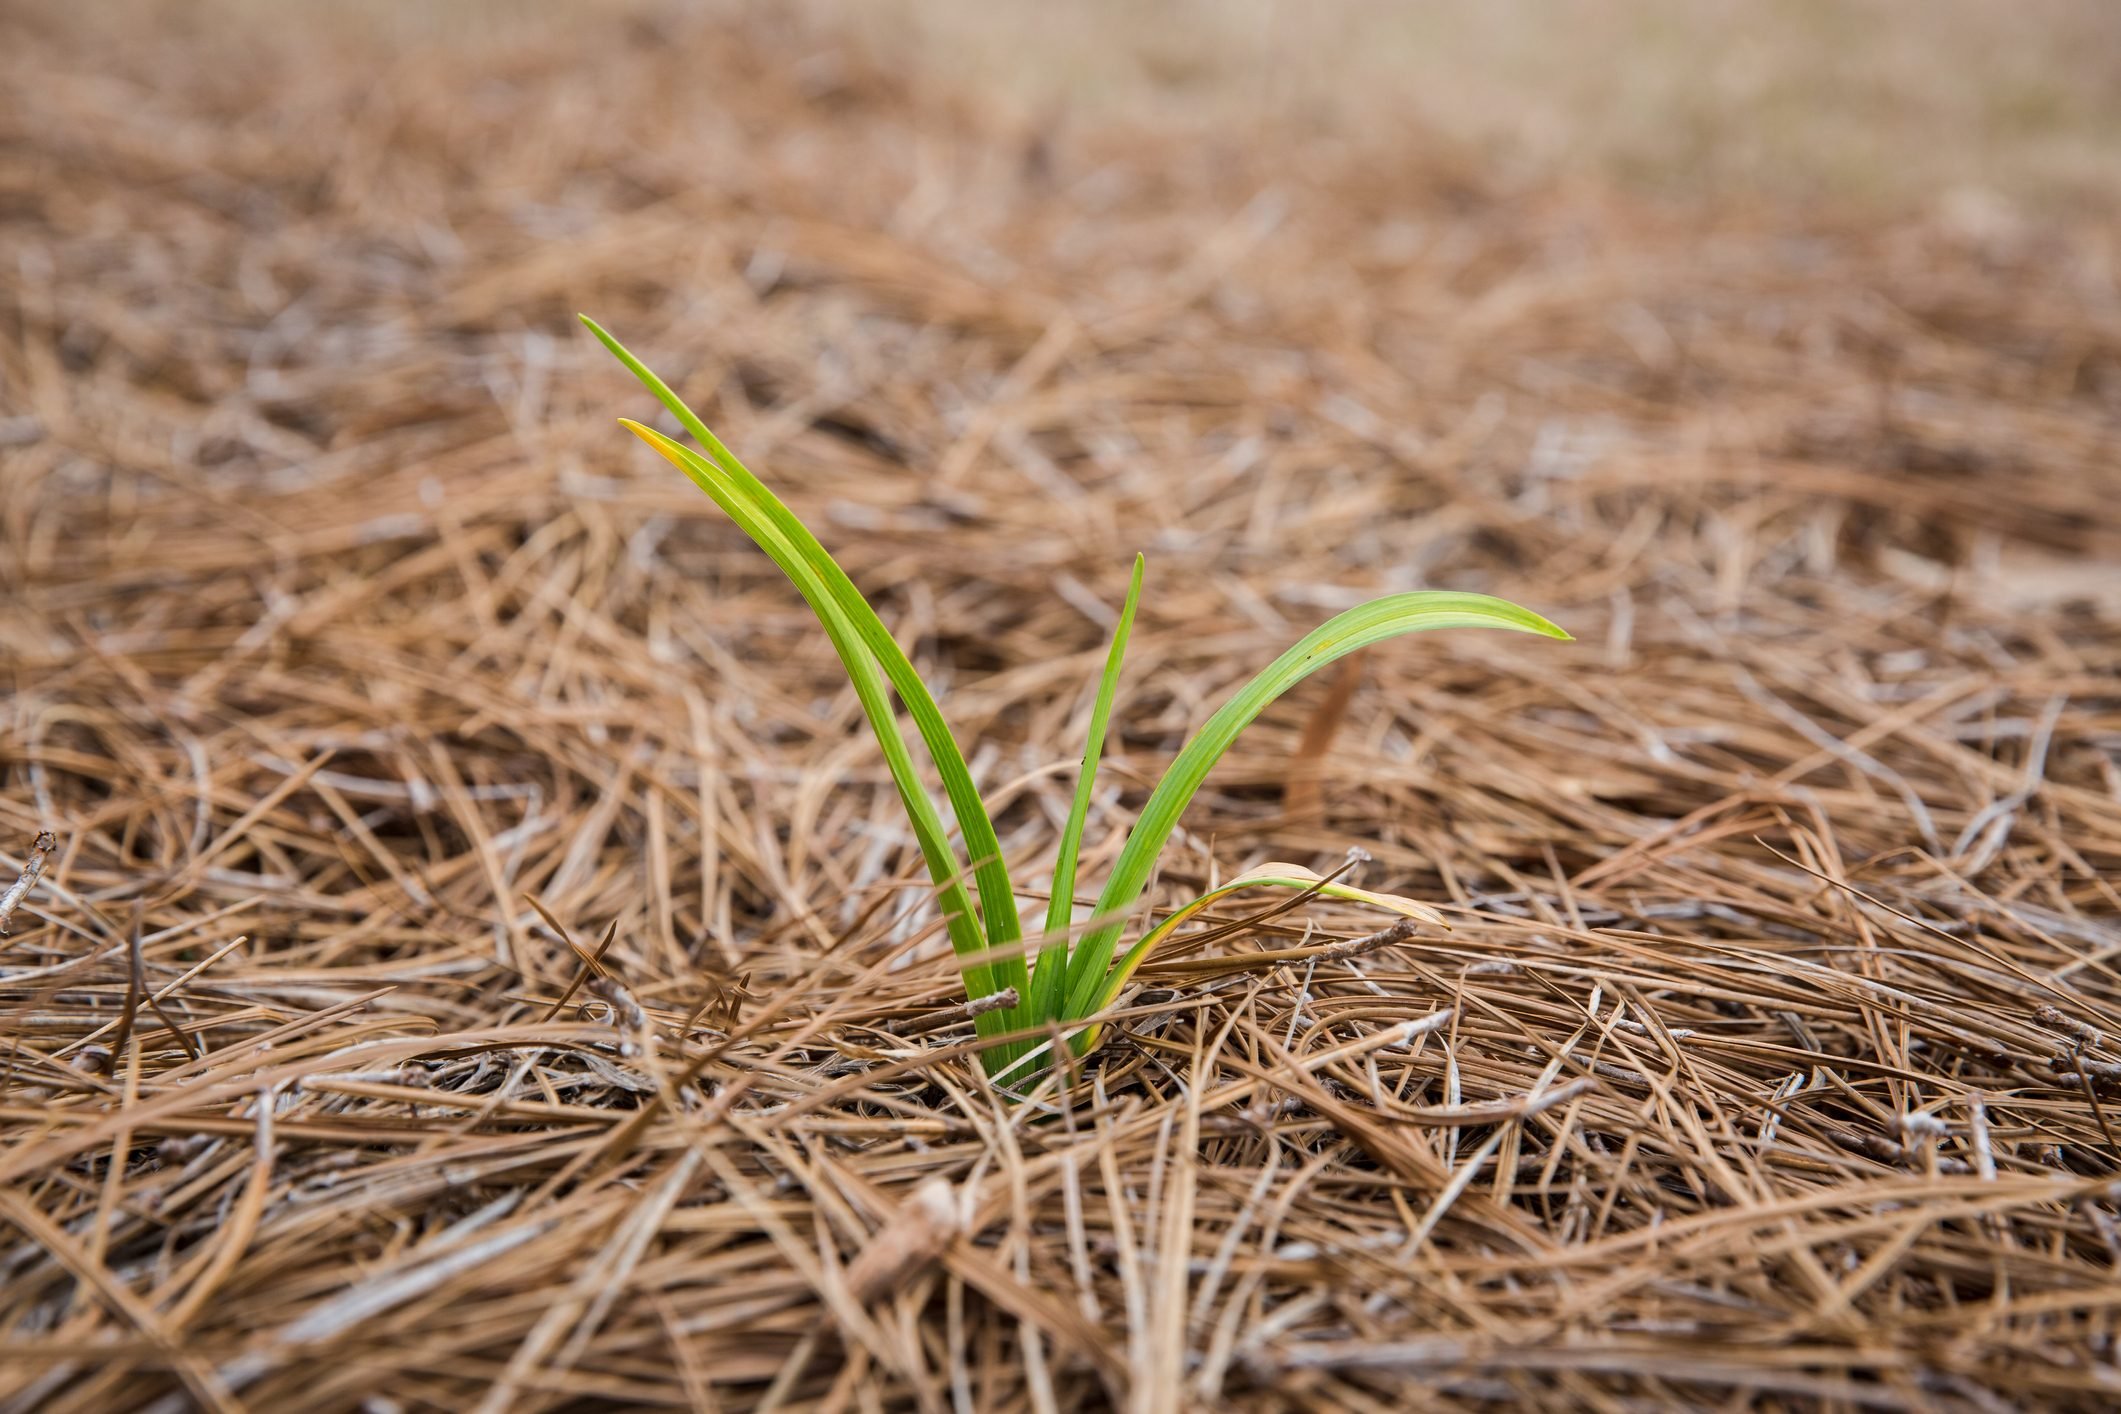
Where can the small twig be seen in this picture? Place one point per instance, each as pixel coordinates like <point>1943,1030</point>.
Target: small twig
<point>2106,1073</point>
<point>1888,1151</point>
<point>952,1015</point>
<point>1399,932</point>
<point>2091,1097</point>
<point>1410,1031</point>
<point>2084,1033</point>
<point>33,867</point>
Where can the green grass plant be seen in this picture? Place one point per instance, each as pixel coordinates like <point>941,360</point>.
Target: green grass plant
<point>1074,976</point>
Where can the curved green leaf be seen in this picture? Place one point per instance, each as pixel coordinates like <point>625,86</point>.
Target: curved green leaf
<point>990,872</point>
<point>1339,636</point>
<point>962,923</point>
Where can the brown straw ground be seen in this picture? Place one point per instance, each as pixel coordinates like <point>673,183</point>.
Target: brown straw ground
<point>481,964</point>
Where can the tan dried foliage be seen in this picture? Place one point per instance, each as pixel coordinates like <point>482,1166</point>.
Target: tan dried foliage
<point>1768,1060</point>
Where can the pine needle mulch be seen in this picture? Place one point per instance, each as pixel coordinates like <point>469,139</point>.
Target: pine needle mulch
<point>478,963</point>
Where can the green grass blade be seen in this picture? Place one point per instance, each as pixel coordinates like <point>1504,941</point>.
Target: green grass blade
<point>966,939</point>
<point>989,870</point>
<point>1341,635</point>
<point>1049,978</point>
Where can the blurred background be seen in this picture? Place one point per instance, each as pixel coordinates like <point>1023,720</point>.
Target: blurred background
<point>1877,102</point>
<point>1880,104</point>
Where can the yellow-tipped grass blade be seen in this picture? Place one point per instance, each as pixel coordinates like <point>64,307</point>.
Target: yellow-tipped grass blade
<point>1266,876</point>
<point>1339,636</point>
